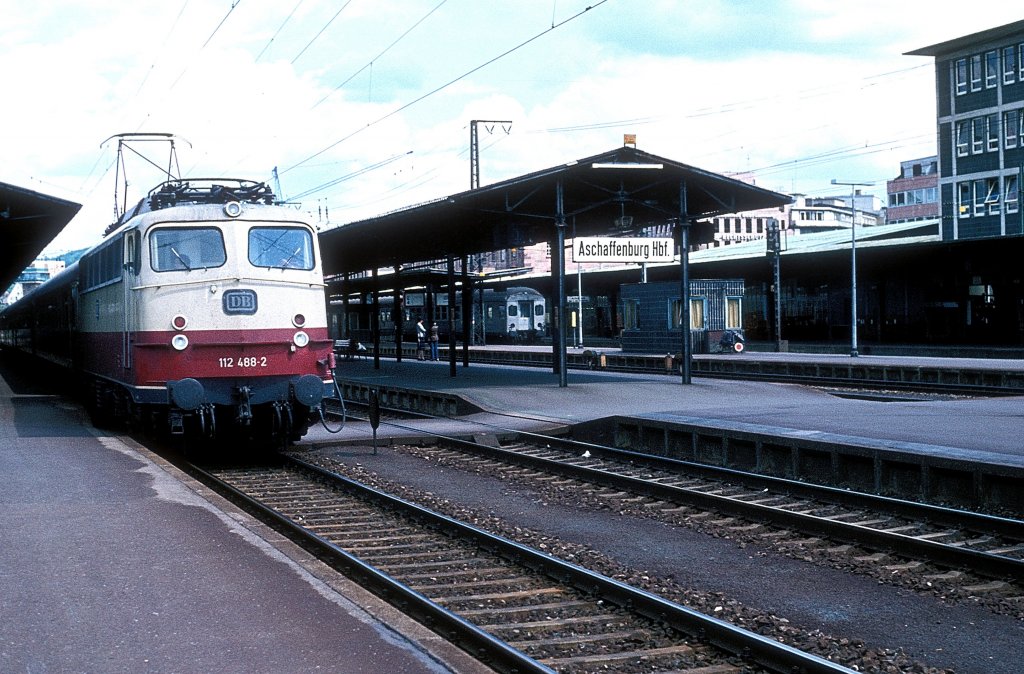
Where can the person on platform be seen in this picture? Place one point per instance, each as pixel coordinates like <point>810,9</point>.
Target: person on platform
<point>421,341</point>
<point>433,340</point>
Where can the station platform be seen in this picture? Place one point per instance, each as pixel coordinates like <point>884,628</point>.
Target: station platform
<point>988,428</point>
<point>113,561</point>
<point>797,431</point>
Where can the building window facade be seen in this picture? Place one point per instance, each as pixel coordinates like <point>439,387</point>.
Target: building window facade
<point>978,132</point>
<point>992,125</point>
<point>1011,128</point>
<point>980,113</point>
<point>1010,198</point>
<point>963,138</point>
<point>926,195</point>
<point>991,69</point>
<point>733,313</point>
<point>631,314</point>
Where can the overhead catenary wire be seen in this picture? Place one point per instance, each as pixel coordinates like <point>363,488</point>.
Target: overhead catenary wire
<point>866,82</point>
<point>443,86</point>
<point>595,125</point>
<point>278,31</point>
<point>321,31</point>
<point>369,64</point>
<point>361,171</point>
<point>162,48</point>
<point>711,110</point>
<point>234,4</point>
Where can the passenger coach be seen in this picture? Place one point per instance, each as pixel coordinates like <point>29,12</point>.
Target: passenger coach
<point>517,313</point>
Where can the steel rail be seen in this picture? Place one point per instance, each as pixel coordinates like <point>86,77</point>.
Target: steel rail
<point>995,566</point>
<point>994,524</point>
<point>490,650</point>
<point>762,650</point>
<point>765,652</point>
<point>1002,526</point>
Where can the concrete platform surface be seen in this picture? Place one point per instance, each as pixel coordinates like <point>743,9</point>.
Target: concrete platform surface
<point>112,562</point>
<point>982,429</point>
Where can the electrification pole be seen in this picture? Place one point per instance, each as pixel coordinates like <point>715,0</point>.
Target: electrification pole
<point>474,147</point>
<point>474,182</point>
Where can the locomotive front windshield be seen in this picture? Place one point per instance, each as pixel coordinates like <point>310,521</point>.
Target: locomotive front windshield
<point>283,247</point>
<point>186,248</point>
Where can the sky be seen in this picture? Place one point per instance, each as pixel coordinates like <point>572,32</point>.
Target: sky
<point>364,106</point>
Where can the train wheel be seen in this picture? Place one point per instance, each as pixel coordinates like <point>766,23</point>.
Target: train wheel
<point>99,405</point>
<point>288,426</point>
<point>134,416</point>
<point>300,425</point>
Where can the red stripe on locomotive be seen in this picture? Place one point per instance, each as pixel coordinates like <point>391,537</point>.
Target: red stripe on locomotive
<point>229,354</point>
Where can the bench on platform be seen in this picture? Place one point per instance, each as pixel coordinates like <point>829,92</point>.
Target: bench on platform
<point>349,349</point>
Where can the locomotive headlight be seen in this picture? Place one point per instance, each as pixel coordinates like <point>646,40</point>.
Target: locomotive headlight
<point>298,320</point>
<point>300,339</point>
<point>179,322</point>
<point>232,209</point>
<point>179,342</point>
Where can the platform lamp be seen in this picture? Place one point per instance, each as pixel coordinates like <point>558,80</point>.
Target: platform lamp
<point>853,260</point>
<point>773,241</point>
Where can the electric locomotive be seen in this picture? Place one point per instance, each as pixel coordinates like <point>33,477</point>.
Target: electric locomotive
<point>202,311</point>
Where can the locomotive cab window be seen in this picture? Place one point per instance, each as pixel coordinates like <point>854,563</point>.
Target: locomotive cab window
<point>186,248</point>
<point>132,252</point>
<point>282,247</point>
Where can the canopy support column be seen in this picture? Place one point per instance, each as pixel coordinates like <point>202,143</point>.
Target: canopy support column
<point>558,270</point>
<point>375,321</point>
<point>683,227</point>
<point>467,310</point>
<point>451,316</point>
<point>397,313</point>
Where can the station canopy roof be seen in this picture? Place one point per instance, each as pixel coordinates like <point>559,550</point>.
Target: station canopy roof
<point>613,193</point>
<point>28,222</point>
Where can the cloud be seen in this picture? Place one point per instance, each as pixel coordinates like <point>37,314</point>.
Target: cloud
<point>799,91</point>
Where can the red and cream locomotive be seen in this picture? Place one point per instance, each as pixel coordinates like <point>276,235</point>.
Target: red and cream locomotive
<point>202,309</point>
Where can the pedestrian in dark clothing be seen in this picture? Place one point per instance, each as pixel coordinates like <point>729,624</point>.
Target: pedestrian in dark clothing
<point>433,341</point>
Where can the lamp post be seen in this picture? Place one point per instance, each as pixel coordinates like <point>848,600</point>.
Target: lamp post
<point>853,261</point>
<point>774,247</point>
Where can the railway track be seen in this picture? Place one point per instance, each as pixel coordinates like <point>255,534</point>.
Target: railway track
<point>941,546</point>
<point>988,545</point>
<point>516,608</point>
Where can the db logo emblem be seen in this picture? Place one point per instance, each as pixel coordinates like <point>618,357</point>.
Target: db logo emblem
<point>239,302</point>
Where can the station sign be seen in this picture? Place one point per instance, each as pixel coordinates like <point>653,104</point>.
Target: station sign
<point>622,249</point>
